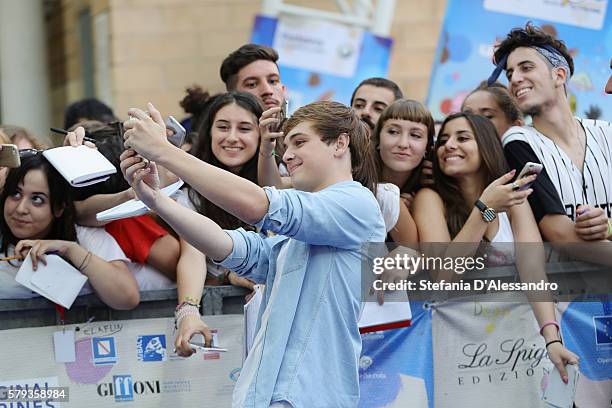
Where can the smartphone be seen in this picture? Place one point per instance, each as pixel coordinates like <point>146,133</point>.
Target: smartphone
<point>176,132</point>
<point>529,169</point>
<point>282,115</point>
<point>203,347</point>
<point>9,156</point>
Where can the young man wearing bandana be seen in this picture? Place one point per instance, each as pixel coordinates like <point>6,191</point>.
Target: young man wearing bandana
<point>572,198</point>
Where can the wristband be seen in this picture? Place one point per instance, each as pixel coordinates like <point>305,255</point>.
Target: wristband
<point>553,341</point>
<point>549,323</point>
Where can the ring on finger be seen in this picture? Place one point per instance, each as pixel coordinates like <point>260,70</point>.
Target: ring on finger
<point>515,186</point>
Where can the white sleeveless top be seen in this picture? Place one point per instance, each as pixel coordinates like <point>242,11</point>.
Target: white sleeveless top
<point>504,233</point>
<point>501,251</point>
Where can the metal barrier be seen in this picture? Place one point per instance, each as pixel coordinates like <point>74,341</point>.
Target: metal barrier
<point>36,312</point>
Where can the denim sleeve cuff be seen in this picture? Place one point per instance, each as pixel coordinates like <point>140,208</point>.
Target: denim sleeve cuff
<point>238,256</point>
<point>277,213</point>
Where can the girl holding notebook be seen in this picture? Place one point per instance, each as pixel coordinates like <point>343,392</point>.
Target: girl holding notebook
<point>39,219</point>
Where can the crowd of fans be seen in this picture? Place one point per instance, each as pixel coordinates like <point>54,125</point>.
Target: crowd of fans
<point>456,184</point>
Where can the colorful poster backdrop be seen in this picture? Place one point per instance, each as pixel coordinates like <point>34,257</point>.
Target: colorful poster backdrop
<point>472,27</point>
<point>321,60</point>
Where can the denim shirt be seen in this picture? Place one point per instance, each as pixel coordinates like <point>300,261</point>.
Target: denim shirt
<point>307,354</point>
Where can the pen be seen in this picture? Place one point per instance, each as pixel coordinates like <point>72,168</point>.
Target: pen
<point>10,258</point>
<point>64,132</point>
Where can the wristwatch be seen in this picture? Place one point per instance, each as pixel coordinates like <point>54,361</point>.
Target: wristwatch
<point>488,214</point>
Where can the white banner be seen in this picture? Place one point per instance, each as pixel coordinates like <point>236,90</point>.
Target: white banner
<point>318,45</point>
<point>487,354</point>
<point>129,360</point>
<point>581,13</point>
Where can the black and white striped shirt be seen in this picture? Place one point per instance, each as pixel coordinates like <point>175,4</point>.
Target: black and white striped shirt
<point>562,186</point>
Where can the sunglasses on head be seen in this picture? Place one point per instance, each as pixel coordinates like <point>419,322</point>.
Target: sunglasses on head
<point>25,153</point>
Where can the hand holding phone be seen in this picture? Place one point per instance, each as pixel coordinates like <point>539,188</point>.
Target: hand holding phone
<point>176,132</point>
<point>198,341</point>
<point>203,347</point>
<point>529,169</point>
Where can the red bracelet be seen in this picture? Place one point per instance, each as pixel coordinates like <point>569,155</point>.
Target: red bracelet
<point>549,323</point>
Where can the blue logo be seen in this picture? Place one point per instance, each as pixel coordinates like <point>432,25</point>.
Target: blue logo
<point>122,385</point>
<point>103,350</point>
<point>603,330</point>
<point>152,348</point>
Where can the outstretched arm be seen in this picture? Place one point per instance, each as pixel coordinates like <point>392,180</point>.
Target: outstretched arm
<point>147,136</point>
<point>198,230</point>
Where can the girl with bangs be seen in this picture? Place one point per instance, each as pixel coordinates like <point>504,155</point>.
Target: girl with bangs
<point>401,141</point>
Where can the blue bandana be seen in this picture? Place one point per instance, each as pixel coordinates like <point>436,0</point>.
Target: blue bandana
<point>556,59</point>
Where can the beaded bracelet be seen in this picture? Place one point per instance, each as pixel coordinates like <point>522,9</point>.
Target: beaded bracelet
<point>186,310</point>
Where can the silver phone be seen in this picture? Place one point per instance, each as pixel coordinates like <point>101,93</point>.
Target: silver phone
<point>175,131</point>
<point>529,169</point>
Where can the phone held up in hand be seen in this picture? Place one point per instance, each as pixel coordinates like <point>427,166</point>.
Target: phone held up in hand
<point>529,169</point>
<point>175,131</point>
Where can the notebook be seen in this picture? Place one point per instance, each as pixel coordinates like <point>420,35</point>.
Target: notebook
<point>392,314</point>
<point>134,208</point>
<point>58,281</point>
<point>81,166</point>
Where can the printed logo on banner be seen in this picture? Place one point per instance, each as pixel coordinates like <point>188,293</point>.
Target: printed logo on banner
<point>152,348</point>
<point>603,330</point>
<point>126,388</point>
<point>122,385</point>
<point>103,350</point>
